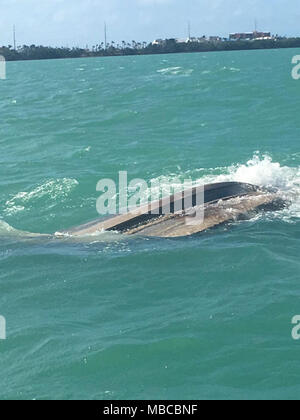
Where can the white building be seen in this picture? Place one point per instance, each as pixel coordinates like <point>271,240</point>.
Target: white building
<point>158,42</point>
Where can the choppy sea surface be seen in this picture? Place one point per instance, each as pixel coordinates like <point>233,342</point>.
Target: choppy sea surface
<point>112,317</point>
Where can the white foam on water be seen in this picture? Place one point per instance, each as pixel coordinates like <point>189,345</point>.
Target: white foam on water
<point>231,69</point>
<point>98,236</point>
<point>52,189</point>
<point>263,172</point>
<point>260,170</point>
<point>175,71</point>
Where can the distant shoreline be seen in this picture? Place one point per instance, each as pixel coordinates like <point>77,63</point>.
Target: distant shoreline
<point>33,52</point>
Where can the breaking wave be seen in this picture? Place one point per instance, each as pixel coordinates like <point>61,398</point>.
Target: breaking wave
<point>263,172</point>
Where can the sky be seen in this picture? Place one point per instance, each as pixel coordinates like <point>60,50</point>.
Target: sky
<point>81,22</point>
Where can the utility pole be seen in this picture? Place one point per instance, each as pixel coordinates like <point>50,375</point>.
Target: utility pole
<point>105,35</point>
<point>255,24</point>
<point>189,30</point>
<point>14,37</point>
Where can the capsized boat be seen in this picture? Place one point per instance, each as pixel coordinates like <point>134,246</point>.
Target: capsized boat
<point>223,202</point>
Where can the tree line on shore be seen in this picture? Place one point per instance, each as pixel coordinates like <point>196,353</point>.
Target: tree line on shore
<point>34,52</point>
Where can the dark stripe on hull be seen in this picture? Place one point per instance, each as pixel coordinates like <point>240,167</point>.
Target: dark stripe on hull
<point>212,193</point>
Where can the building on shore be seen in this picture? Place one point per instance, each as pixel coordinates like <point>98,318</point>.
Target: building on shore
<point>163,42</point>
<point>191,39</point>
<point>199,40</point>
<point>159,42</point>
<point>240,36</point>
<point>262,35</point>
<point>182,40</point>
<point>215,39</point>
<point>250,36</point>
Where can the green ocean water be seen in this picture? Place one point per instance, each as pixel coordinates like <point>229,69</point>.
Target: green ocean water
<point>137,318</point>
